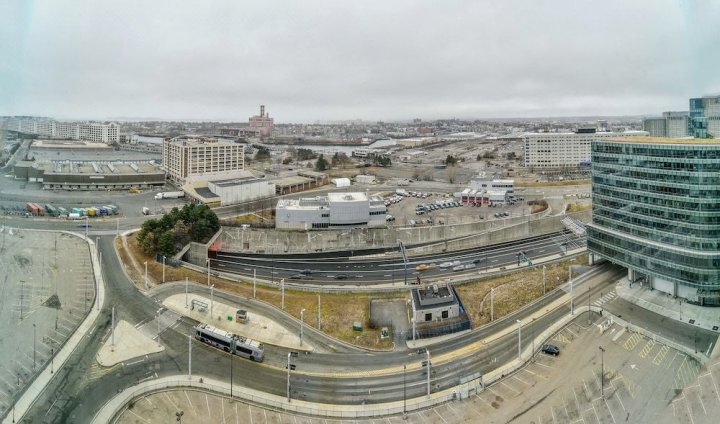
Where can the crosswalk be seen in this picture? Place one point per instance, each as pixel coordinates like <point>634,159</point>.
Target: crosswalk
<point>605,299</point>
<point>166,319</point>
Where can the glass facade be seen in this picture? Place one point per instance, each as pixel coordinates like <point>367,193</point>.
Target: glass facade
<point>656,210</point>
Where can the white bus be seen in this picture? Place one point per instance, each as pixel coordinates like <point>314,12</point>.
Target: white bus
<point>238,345</point>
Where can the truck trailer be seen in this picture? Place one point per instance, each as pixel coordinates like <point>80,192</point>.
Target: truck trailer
<point>170,195</point>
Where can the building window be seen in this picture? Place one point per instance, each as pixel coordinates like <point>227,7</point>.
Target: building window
<point>428,317</point>
<point>445,314</point>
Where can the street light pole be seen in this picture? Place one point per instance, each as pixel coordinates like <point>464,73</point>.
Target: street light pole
<point>288,377</point>
<point>34,345</point>
<point>146,278</point>
<point>282,294</point>
<point>572,306</point>
<point>186,292</point>
<point>404,392</point>
<point>302,324</point>
<point>519,338</point>
<point>492,304</point>
<point>588,305</point>
<point>254,283</point>
<point>208,269</point>
<point>544,267</point>
<point>212,292</point>
<point>427,353</point>
<point>163,280</point>
<point>189,357</point>
<point>231,375</point>
<point>602,372</point>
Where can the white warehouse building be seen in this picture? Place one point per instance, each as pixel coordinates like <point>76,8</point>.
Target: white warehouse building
<point>336,211</point>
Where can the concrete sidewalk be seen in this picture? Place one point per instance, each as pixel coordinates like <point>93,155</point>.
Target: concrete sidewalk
<point>664,304</point>
<point>258,327</point>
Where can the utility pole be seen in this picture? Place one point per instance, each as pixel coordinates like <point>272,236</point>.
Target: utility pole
<point>544,267</point>
<point>318,323</point>
<point>186,292</point>
<point>146,279</point>
<point>189,357</point>
<point>254,283</point>
<point>208,269</point>
<point>163,280</point>
<point>404,392</point>
<point>231,373</point>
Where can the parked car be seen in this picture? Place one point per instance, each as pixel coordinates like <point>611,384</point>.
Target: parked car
<point>551,349</point>
<point>341,277</point>
<point>458,268</point>
<point>297,277</point>
<point>306,272</point>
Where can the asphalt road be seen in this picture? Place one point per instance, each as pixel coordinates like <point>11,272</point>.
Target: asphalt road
<point>375,270</point>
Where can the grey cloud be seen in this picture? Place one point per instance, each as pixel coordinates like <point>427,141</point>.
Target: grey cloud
<point>371,60</point>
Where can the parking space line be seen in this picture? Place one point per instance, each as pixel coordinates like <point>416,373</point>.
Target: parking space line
<point>521,380</point>
<point>508,386</point>
<point>543,365</point>
<point>660,356</point>
<point>649,346</point>
<point>717,393</point>
<point>609,410</point>
<point>484,400</point>
<point>438,414</point>
<point>700,399</point>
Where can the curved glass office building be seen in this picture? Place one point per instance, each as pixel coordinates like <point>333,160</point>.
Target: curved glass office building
<point>656,211</point>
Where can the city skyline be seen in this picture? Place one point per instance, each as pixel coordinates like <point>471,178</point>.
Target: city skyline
<point>333,62</point>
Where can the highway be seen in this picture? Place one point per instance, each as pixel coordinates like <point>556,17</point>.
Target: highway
<point>368,270</point>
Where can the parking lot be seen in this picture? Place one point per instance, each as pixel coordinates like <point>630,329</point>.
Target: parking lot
<point>634,380</point>
<point>443,208</point>
<point>46,289</point>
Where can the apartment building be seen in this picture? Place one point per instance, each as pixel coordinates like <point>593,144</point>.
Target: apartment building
<point>558,150</point>
<point>50,128</point>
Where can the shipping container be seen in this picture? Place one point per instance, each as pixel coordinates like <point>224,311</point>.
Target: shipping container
<point>62,211</point>
<point>103,211</point>
<point>32,208</point>
<point>51,210</point>
<point>90,211</point>
<point>74,216</point>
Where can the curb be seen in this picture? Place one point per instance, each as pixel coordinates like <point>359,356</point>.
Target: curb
<point>38,386</point>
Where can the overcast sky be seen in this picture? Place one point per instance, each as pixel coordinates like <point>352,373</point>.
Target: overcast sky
<point>327,60</point>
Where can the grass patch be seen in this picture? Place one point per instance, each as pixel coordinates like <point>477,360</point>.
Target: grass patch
<point>512,291</point>
<point>578,207</point>
<point>337,311</point>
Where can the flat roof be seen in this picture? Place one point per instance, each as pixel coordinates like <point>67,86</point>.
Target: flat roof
<point>236,181</point>
<point>664,140</point>
<point>347,197</point>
